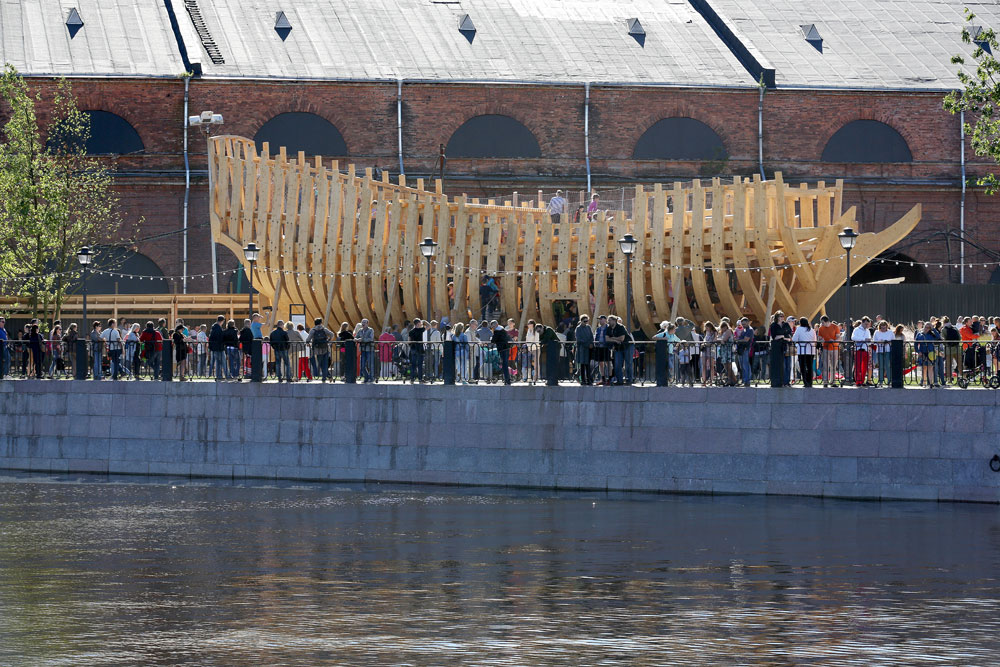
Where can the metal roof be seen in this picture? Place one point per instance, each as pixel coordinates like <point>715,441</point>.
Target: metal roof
<point>514,40</point>
<point>118,38</point>
<point>878,44</point>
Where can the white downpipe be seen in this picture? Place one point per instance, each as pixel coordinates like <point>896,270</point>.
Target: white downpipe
<point>961,209</point>
<point>399,123</point>
<point>187,190</point>
<point>760,133</point>
<point>586,130</point>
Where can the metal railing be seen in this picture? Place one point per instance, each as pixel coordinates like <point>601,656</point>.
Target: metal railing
<point>927,363</point>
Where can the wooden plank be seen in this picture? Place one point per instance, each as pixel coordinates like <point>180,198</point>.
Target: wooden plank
<point>741,263</point>
<point>699,283</point>
<point>459,262</point>
<point>640,311</point>
<point>763,250</point>
<point>658,272</point>
<point>680,306</point>
<point>601,234</point>
<point>720,277</point>
<point>546,277</point>
<point>802,271</point>
<point>440,284</point>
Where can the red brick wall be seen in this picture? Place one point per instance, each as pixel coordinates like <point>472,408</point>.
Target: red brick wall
<point>797,125</point>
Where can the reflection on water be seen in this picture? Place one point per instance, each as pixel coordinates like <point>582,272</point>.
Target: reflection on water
<point>137,572</point>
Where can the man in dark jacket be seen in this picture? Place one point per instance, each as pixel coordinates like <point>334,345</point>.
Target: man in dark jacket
<point>502,342</point>
<point>246,342</point>
<point>216,348</point>
<point>952,350</point>
<point>417,351</point>
<point>279,343</point>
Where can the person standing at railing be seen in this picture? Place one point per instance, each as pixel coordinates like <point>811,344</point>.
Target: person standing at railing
<point>780,336</point>
<point>366,341</point>
<point>861,337</point>
<point>35,349</point>
<point>278,339</point>
<point>602,351</point>
<point>299,350</point>
<point>882,340</point>
<point>804,340</point>
<point>417,352</point>
<point>217,350</point>
<point>483,335</point>
<point>432,351</point>
<point>827,335</point>
<point>744,347</point>
<point>246,347</point>
<point>529,355</point>
<point>319,339</point>
<point>114,344</point>
<point>461,340</point>
<point>180,350</point>
<point>709,353</point>
<point>592,208</point>
<point>152,348</point>
<point>556,207</point>
<point>96,349</point>
<point>201,351</point>
<point>925,344</point>
<point>231,343</point>
<point>501,339</point>
<point>131,351</point>
<point>584,346</point>
<point>472,333</point>
<point>726,341</point>
<point>618,336</point>
<point>4,350</point>
<point>386,344</point>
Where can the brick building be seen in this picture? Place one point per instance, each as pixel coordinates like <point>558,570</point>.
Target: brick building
<point>526,96</point>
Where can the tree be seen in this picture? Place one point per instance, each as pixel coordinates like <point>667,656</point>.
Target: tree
<point>54,198</point>
<point>980,96</point>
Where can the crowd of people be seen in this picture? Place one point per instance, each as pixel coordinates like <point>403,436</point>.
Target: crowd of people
<point>605,351</point>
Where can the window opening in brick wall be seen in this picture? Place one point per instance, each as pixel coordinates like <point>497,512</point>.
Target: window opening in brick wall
<point>867,141</point>
<point>301,131</point>
<point>679,138</point>
<point>492,136</point>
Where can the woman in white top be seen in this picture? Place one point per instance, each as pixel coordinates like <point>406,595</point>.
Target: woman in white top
<point>804,340</point>
<point>529,369</point>
<point>882,340</point>
<point>861,338</point>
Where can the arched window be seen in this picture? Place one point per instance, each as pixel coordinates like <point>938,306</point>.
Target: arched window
<point>492,136</point>
<point>867,141</point>
<point>301,131</point>
<point>122,261</point>
<point>679,139</point>
<point>110,134</point>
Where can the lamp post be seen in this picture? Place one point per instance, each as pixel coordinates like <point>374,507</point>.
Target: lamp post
<point>427,249</point>
<point>628,244</point>
<point>84,256</point>
<point>205,121</point>
<point>848,238</point>
<point>252,252</point>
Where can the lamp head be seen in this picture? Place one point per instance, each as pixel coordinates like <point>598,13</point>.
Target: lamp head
<point>84,255</point>
<point>428,247</point>
<point>628,244</point>
<point>252,252</point>
<point>848,238</point>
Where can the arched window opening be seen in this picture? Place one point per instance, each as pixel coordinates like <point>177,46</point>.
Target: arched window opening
<point>867,141</point>
<point>122,266</point>
<point>492,136</point>
<point>301,131</point>
<point>110,134</point>
<point>679,138</point>
<point>883,269</point>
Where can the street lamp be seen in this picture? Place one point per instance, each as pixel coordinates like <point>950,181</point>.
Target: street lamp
<point>427,249</point>
<point>628,245</point>
<point>84,256</point>
<point>252,252</point>
<point>205,121</point>
<point>848,238</point>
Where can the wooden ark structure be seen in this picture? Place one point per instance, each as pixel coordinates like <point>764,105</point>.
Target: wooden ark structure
<point>346,245</point>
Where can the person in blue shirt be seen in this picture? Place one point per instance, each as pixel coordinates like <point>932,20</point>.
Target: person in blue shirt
<point>4,352</point>
<point>926,354</point>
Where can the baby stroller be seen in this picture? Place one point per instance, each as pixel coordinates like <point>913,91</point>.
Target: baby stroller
<point>974,368</point>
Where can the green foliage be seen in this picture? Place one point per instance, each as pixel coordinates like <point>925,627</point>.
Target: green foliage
<point>979,97</point>
<point>54,198</point>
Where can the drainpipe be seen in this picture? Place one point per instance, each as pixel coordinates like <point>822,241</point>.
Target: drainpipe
<point>399,122</point>
<point>586,130</point>
<point>760,133</point>
<point>187,188</point>
<point>961,209</point>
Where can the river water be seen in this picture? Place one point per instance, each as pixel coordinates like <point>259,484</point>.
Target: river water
<point>139,572</point>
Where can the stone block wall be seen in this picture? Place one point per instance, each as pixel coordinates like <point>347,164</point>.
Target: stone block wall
<point>889,444</point>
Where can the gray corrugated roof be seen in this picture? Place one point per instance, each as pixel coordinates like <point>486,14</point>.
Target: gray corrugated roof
<point>895,44</point>
<point>119,37</point>
<point>534,40</point>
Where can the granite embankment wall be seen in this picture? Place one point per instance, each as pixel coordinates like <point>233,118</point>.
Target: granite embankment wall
<point>933,445</point>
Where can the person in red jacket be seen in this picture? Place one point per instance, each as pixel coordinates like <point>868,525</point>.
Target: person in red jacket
<point>152,348</point>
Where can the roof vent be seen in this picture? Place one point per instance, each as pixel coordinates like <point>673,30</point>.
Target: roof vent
<point>211,47</point>
<point>636,31</point>
<point>467,27</point>
<point>812,36</point>
<point>977,34</point>
<point>73,22</point>
<point>282,25</point>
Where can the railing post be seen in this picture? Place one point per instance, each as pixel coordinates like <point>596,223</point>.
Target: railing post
<point>662,350</point>
<point>896,364</point>
<point>777,364</point>
<point>350,362</point>
<point>82,361</point>
<point>167,361</point>
<point>552,363</point>
<point>257,360</point>
<point>448,362</point>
